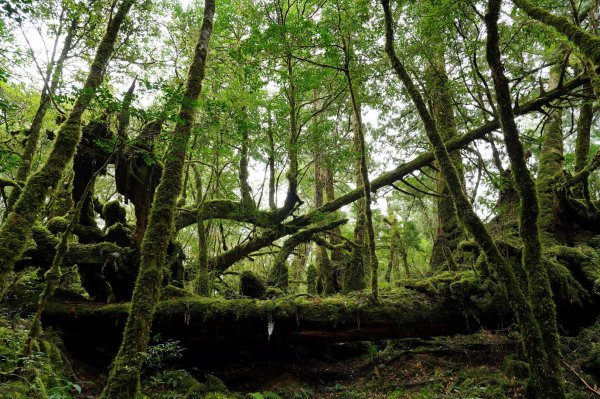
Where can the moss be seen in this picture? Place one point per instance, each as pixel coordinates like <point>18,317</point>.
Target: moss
<point>113,213</point>
<point>274,292</point>
<point>57,224</point>
<point>582,260</point>
<point>171,292</point>
<point>311,279</point>
<point>564,286</point>
<point>516,368</point>
<point>214,384</point>
<point>251,285</point>
<point>355,275</point>
<point>404,306</point>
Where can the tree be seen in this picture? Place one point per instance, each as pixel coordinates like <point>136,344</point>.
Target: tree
<point>123,381</point>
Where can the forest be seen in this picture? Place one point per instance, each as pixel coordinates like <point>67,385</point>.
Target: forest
<point>299,199</point>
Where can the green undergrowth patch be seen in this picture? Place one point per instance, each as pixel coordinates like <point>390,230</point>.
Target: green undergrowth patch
<point>43,374</point>
<point>179,384</point>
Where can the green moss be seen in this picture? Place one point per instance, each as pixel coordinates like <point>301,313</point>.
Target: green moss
<point>57,224</point>
<point>311,279</point>
<point>355,275</point>
<point>251,285</point>
<point>113,213</point>
<point>171,292</point>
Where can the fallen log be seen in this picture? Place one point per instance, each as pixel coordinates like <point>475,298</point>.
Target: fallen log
<point>203,323</point>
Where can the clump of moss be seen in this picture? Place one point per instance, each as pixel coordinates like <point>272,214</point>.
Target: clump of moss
<point>113,213</point>
<point>57,224</point>
<point>170,292</point>
<point>251,285</point>
<point>516,368</point>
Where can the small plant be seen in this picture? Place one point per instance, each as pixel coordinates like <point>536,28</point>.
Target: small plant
<point>64,391</point>
<point>157,354</point>
<point>264,395</point>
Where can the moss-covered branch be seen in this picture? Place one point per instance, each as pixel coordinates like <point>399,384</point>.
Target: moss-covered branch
<point>587,43</point>
<point>225,209</point>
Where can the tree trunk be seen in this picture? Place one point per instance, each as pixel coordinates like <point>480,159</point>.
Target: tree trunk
<point>371,256</point>
<point>449,229</point>
<point>123,381</point>
<point>546,376</point>
<point>323,263</point>
<point>530,331</point>
<point>582,142</point>
<point>550,173</point>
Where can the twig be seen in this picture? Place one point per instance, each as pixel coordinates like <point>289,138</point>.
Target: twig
<point>588,386</point>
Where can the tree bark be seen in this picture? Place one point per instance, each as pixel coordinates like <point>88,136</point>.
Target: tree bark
<point>550,173</point>
<point>449,229</point>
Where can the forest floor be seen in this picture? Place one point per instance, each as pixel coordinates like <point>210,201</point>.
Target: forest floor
<point>483,365</point>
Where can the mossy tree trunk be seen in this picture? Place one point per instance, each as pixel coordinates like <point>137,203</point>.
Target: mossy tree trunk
<point>582,142</point>
<point>322,260</point>
<point>538,282</point>
<point>123,381</point>
<point>550,173</point>
<point>355,271</point>
<point>272,204</point>
<point>393,261</point>
<point>54,273</point>
<point>541,381</point>
<point>449,229</point>
<point>202,280</point>
<point>244,128</point>
<point>16,228</point>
